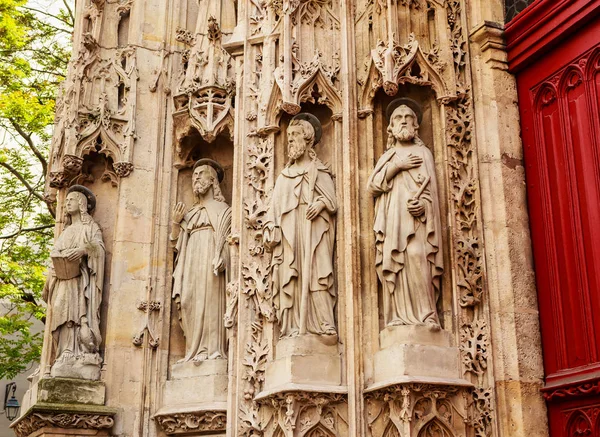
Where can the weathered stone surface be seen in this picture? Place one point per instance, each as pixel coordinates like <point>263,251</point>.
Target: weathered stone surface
<point>70,391</point>
<point>153,87</point>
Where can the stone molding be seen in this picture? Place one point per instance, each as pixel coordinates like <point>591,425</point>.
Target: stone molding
<point>64,416</point>
<point>192,421</point>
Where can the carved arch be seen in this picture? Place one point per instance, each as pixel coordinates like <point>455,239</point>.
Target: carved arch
<point>544,96</point>
<point>319,430</point>
<point>394,65</point>
<point>593,64</point>
<point>433,428</point>
<point>579,424</point>
<point>392,431</point>
<point>571,78</point>
<point>106,146</point>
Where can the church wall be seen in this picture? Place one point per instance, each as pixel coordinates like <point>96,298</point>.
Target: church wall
<point>186,80</point>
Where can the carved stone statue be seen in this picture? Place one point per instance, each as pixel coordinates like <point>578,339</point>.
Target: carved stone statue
<point>407,226</point>
<point>201,264</point>
<point>73,290</point>
<point>300,233</point>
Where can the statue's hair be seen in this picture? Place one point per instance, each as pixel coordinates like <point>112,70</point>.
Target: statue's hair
<point>308,133</point>
<point>217,193</point>
<point>82,201</point>
<point>391,140</point>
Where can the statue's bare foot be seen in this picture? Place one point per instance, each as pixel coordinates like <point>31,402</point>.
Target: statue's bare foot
<point>330,331</point>
<point>433,325</point>
<point>216,356</point>
<point>203,356</point>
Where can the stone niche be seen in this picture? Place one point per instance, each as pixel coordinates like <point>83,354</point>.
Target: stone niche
<point>194,396</point>
<point>307,362</point>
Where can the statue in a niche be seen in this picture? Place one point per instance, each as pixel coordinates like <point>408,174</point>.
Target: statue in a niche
<point>300,233</point>
<point>73,290</point>
<point>201,264</point>
<point>408,237</point>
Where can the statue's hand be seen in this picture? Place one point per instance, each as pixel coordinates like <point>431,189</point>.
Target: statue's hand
<point>178,212</point>
<point>218,265</point>
<point>416,207</point>
<point>75,254</point>
<point>411,161</point>
<point>270,236</point>
<point>314,209</point>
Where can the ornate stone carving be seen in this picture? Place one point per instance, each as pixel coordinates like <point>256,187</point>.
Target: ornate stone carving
<point>255,358</point>
<point>300,233</point>
<point>417,409</point>
<point>474,347</point>
<point>73,290</point>
<point>408,234</point>
<point>202,264</point>
<point>481,411</point>
<point>206,86</point>
<point>232,304</point>
<point>123,169</point>
<point>96,111</point>
<point>148,307</point>
<point>392,64</point>
<point>35,421</point>
<point>198,421</point>
<point>256,287</point>
<point>303,414</point>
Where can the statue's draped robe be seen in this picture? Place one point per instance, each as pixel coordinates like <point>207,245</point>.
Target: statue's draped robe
<point>408,258</point>
<point>294,191</point>
<point>72,299</point>
<point>201,242</point>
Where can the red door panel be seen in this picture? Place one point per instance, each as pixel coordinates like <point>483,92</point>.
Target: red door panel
<point>559,90</point>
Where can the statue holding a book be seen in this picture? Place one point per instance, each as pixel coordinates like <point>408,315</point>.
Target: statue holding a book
<point>73,290</point>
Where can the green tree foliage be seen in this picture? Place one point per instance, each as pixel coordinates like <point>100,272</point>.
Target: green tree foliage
<point>35,48</point>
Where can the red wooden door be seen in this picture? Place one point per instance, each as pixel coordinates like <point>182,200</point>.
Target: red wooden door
<point>558,80</point>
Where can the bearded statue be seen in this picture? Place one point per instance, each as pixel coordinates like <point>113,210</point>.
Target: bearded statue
<point>202,264</point>
<point>300,233</point>
<point>408,237</point>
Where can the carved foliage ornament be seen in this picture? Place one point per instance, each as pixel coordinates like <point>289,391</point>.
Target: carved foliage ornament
<point>303,414</point>
<point>184,423</point>
<point>417,409</point>
<point>36,421</point>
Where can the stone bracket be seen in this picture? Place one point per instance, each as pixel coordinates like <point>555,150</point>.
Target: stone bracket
<point>69,416</point>
<point>194,421</point>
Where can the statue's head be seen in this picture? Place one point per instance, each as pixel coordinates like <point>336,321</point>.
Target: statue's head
<point>207,174</point>
<point>304,131</point>
<point>404,118</point>
<point>79,200</point>
<point>301,137</point>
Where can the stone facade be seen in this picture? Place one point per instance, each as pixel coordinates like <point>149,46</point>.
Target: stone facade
<point>284,103</point>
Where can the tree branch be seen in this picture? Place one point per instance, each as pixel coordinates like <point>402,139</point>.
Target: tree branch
<point>20,177</point>
<point>36,228</point>
<point>34,149</point>
<point>70,11</point>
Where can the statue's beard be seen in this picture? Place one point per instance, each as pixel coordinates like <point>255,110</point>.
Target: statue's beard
<point>295,151</point>
<point>404,133</point>
<point>201,187</point>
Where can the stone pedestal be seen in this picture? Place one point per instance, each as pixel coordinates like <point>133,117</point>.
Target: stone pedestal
<point>195,398</point>
<point>416,354</point>
<point>308,362</point>
<point>64,407</point>
<point>86,366</point>
<point>196,383</point>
